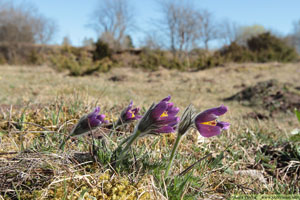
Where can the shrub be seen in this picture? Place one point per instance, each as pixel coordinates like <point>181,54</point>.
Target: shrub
<point>261,48</point>
<point>34,58</point>
<point>154,59</point>
<point>80,65</point>
<point>270,48</point>
<point>206,60</point>
<point>105,65</point>
<point>236,53</point>
<point>101,51</point>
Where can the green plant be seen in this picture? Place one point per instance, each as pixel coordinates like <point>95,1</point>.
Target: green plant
<point>236,53</point>
<point>34,57</point>
<point>81,64</point>
<point>268,47</point>
<point>101,51</point>
<point>206,61</point>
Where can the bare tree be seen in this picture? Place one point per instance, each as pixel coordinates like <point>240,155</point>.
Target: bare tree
<point>180,24</point>
<point>23,23</point>
<point>228,31</point>
<point>208,28</point>
<point>152,41</point>
<point>44,29</point>
<point>112,19</point>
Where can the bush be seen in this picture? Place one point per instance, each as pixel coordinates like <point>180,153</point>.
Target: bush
<point>206,60</point>
<point>261,48</point>
<point>79,65</point>
<point>154,59</point>
<point>270,48</point>
<point>105,65</point>
<point>237,53</point>
<point>101,51</point>
<point>34,58</point>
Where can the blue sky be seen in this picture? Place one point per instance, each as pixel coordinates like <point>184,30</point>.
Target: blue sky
<point>73,15</point>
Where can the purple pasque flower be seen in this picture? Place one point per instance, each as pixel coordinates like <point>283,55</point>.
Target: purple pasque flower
<point>129,114</point>
<point>207,123</point>
<point>160,118</point>
<point>95,119</point>
<point>89,122</point>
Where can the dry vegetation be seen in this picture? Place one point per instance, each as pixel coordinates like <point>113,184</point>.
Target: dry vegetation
<point>39,106</point>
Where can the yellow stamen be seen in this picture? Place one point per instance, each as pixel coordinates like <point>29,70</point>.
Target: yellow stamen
<point>211,123</point>
<point>165,114</point>
<point>132,114</point>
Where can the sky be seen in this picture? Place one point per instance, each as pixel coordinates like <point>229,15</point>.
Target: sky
<point>72,16</point>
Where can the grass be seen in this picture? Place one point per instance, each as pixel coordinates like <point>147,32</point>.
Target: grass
<point>39,108</point>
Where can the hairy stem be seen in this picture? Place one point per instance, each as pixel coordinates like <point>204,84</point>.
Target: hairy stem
<point>175,147</point>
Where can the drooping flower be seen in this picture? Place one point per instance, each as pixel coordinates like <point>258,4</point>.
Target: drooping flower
<point>207,123</point>
<point>86,124</point>
<point>94,119</point>
<point>160,118</point>
<point>129,115</point>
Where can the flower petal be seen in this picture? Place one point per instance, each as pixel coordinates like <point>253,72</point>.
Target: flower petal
<point>173,111</point>
<point>170,105</point>
<point>128,116</point>
<point>135,110</point>
<point>101,117</point>
<point>223,125</point>
<point>211,114</point>
<point>94,113</point>
<point>175,122</point>
<point>138,116</point>
<point>168,120</point>
<point>94,122</point>
<point>207,130</point>
<point>158,110</point>
<point>129,106</point>
<point>168,98</point>
<point>165,129</point>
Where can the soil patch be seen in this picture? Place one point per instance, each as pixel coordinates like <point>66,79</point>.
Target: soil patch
<point>271,95</point>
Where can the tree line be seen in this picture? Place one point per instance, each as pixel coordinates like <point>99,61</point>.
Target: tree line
<point>182,26</point>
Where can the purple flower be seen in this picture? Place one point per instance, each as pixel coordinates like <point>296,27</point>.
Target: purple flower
<point>207,124</point>
<point>164,115</point>
<point>160,118</point>
<point>96,120</point>
<point>129,114</point>
<point>88,122</point>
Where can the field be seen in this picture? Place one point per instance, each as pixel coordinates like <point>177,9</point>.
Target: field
<point>39,106</point>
